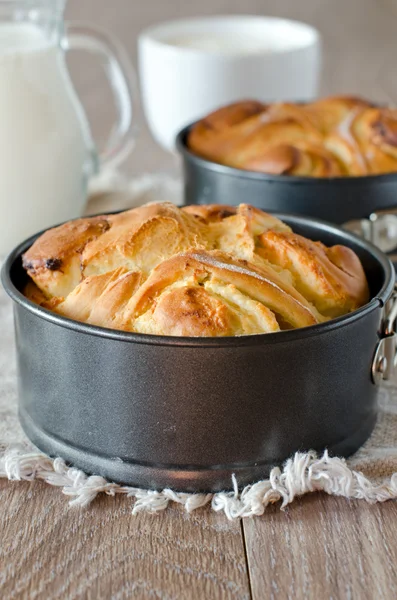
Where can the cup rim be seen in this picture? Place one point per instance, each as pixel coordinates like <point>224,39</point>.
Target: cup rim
<point>157,32</point>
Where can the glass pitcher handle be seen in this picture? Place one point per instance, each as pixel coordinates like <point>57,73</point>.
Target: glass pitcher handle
<point>123,81</point>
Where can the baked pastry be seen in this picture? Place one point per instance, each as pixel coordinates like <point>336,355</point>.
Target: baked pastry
<point>333,137</point>
<point>198,271</point>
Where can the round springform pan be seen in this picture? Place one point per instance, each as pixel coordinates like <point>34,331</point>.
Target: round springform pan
<point>187,413</point>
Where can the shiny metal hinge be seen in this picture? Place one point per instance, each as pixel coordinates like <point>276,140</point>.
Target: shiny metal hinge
<point>380,229</point>
<point>385,358</point>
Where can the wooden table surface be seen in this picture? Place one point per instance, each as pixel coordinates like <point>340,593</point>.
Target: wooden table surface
<point>319,548</point>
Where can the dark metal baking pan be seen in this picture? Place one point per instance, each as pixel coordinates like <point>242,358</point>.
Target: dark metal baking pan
<point>337,199</point>
<point>156,411</point>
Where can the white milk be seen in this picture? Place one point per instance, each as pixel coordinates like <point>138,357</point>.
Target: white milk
<point>44,137</point>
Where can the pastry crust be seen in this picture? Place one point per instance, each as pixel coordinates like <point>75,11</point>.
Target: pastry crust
<point>53,262</point>
<point>198,271</point>
<point>332,137</point>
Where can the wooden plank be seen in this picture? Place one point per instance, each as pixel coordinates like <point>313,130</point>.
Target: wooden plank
<point>51,551</point>
<point>323,547</point>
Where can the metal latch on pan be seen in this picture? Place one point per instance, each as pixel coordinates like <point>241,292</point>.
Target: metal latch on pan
<point>380,229</point>
<point>385,358</point>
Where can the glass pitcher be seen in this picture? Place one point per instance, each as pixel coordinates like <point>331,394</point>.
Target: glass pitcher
<point>46,151</point>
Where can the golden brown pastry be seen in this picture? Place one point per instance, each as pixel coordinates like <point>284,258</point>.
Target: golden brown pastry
<point>330,278</point>
<point>198,271</point>
<point>54,262</point>
<point>332,137</point>
<point>137,239</point>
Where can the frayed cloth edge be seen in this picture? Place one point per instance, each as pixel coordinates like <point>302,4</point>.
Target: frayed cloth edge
<point>302,474</point>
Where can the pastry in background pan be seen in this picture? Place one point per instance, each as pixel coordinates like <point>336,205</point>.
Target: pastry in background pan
<point>332,137</point>
<point>198,271</point>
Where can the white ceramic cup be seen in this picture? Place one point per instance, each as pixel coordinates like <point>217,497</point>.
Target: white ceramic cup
<point>191,67</point>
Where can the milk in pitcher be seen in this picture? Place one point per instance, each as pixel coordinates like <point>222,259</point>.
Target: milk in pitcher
<point>46,153</point>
